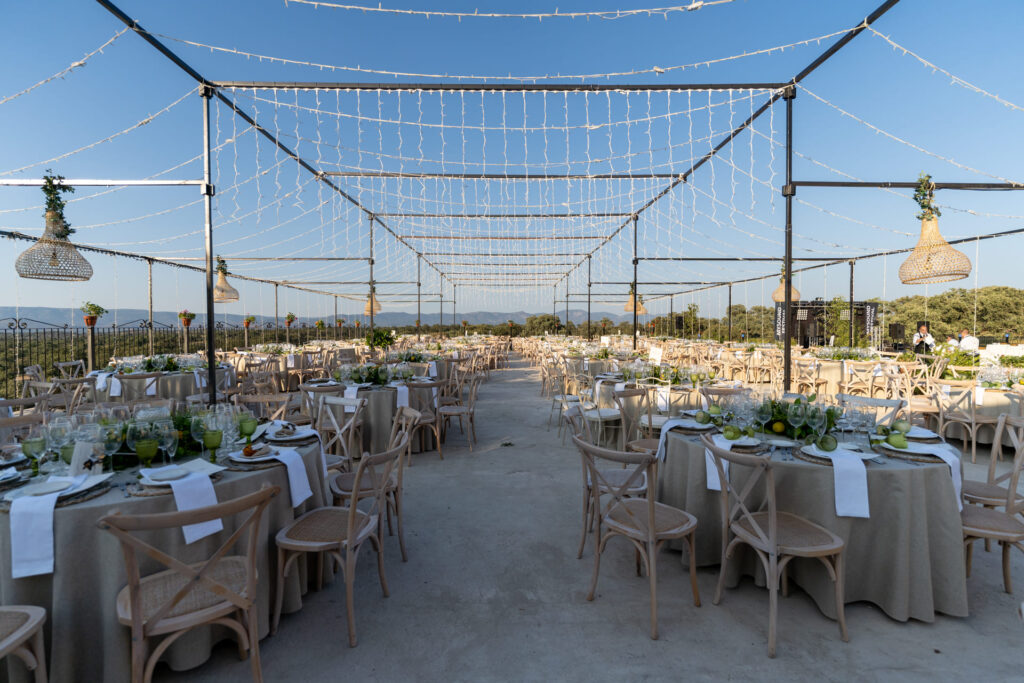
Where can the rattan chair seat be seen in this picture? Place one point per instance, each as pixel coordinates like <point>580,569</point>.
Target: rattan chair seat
<point>157,589</point>
<point>654,421</point>
<point>988,523</point>
<point>11,622</point>
<point>325,527</point>
<point>796,535</point>
<point>629,515</point>
<point>341,485</point>
<point>983,493</point>
<point>643,445</point>
<point>602,414</point>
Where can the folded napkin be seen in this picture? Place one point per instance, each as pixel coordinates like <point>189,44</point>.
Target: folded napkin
<point>586,364</point>
<point>351,392</point>
<point>403,396</point>
<point>663,399</point>
<point>81,457</point>
<point>949,455</point>
<point>432,369</point>
<point>298,480</point>
<point>200,376</point>
<point>850,478</point>
<point>32,531</point>
<point>979,396</point>
<point>194,490</point>
<point>115,385</point>
<point>7,473</point>
<point>620,386</point>
<point>669,425</point>
<point>713,482</point>
<point>291,360</point>
<point>921,433</point>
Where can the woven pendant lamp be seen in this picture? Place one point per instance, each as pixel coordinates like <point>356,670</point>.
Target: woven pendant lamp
<point>222,291</point>
<point>53,257</point>
<point>779,295</point>
<point>371,304</point>
<point>933,260</point>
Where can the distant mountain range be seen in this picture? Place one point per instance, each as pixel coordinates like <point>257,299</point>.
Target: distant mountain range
<point>44,316</point>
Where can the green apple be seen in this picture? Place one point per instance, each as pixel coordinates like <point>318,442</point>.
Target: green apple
<point>828,443</point>
<point>749,431</point>
<point>901,426</point>
<point>882,429</point>
<point>896,440</point>
<point>702,417</point>
<point>715,410</point>
<point>731,432</point>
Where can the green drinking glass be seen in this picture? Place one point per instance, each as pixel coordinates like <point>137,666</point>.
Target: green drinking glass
<point>146,449</point>
<point>212,439</point>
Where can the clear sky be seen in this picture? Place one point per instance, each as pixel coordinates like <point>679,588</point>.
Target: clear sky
<point>277,210</point>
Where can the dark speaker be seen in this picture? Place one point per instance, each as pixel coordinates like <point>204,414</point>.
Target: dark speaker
<point>680,322</point>
<point>897,331</point>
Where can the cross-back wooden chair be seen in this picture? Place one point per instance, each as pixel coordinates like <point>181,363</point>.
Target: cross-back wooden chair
<point>339,532</point>
<point>339,422</point>
<point>13,429</point>
<point>861,378</point>
<point>16,407</point>
<point>311,395</point>
<point>21,635</point>
<point>430,418</point>
<point>32,373</point>
<point>956,403</point>
<point>139,385</point>
<point>634,406</point>
<point>646,524</point>
<point>807,377</point>
<point>1001,525</point>
<point>466,410</point>
<point>776,537</point>
<point>218,591</point>
<point>268,406</point>
<point>993,491</point>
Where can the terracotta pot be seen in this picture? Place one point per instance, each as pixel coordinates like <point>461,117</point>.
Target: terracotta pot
<point>246,323</point>
<point>90,320</point>
<point>185,322</point>
<point>287,323</point>
<point>339,324</point>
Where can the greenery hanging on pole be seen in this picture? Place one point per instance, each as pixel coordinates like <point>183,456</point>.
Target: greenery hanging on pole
<point>53,188</point>
<point>924,195</point>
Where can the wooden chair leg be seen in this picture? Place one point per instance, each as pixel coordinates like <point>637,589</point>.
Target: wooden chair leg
<point>1007,581</point>
<point>968,552</point>
<point>693,570</point>
<point>252,620</point>
<point>840,599</point>
<point>39,652</point>
<point>773,602</point>
<point>652,575</point>
<point>350,610</point>
<point>586,523</point>
<point>597,561</point>
<point>279,591</point>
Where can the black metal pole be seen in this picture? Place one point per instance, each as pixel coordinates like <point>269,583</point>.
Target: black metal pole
<point>672,315</point>
<point>277,319</point>
<point>149,266</point>
<point>853,341</point>
<point>788,191</point>
<point>589,338</point>
<point>636,294</point>
<point>454,307</point>
<point>373,296</point>
<point>729,311</point>
<point>206,93</point>
<point>567,305</point>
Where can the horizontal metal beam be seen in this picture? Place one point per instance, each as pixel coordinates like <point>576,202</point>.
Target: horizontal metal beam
<point>93,182</point>
<point>503,255</point>
<point>350,282</point>
<point>501,176</point>
<point>487,238</point>
<point>272,258</point>
<point>648,284</point>
<point>500,265</point>
<point>497,87</point>
<point>513,273</point>
<point>734,258</point>
<point>907,186</point>
<point>502,215</point>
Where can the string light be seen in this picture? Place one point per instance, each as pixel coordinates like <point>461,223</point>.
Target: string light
<point>477,14</point>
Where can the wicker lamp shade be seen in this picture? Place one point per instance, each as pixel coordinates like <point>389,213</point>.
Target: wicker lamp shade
<point>222,291</point>
<point>52,257</point>
<point>779,295</point>
<point>371,305</point>
<point>631,302</point>
<point>933,260</point>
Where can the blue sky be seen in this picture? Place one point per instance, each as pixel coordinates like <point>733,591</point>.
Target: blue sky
<point>724,213</point>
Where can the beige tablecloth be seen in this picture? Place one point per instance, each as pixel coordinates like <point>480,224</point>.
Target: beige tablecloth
<point>85,641</point>
<point>907,558</point>
<point>176,385</point>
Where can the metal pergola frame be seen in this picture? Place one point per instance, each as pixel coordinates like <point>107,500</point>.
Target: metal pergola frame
<point>785,91</point>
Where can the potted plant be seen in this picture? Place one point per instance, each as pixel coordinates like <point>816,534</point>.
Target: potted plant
<point>380,339</point>
<point>186,317</point>
<point>339,322</point>
<point>248,320</point>
<point>357,324</point>
<point>289,319</point>
<point>91,312</point>
<point>319,324</point>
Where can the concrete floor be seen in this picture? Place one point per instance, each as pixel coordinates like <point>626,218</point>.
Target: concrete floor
<point>493,591</point>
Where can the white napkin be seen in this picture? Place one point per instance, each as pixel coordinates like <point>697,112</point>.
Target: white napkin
<point>917,432</point>
<point>850,478</point>
<point>663,399</point>
<point>713,482</point>
<point>84,451</point>
<point>32,531</point>
<point>949,455</point>
<point>298,480</point>
<point>200,376</point>
<point>194,490</point>
<point>115,386</point>
<point>291,360</point>
<point>665,429</point>
<point>432,369</point>
<point>101,379</point>
<point>586,363</point>
<point>351,392</point>
<point>8,472</point>
<point>620,386</point>
<point>403,396</point>
<point>455,355</point>
<point>979,396</point>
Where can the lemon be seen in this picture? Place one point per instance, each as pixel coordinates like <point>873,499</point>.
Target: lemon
<point>778,426</point>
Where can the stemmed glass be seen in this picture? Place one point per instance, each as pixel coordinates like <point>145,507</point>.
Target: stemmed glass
<point>197,428</point>
<point>247,426</point>
<point>113,436</point>
<point>144,439</point>
<point>213,435</point>
<point>33,446</point>
<point>815,419</point>
<point>58,435</point>
<point>796,415</point>
<point>764,414</point>
<point>168,436</point>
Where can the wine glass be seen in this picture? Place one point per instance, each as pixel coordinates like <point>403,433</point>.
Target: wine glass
<point>796,415</point>
<point>58,435</point>
<point>144,440</point>
<point>197,428</point>
<point>168,436</point>
<point>247,426</point>
<point>815,419</point>
<point>763,413</point>
<point>33,446</point>
<point>121,413</point>
<point>113,437</point>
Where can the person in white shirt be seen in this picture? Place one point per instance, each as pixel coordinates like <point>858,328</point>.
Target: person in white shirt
<point>924,342</point>
<point>968,342</point>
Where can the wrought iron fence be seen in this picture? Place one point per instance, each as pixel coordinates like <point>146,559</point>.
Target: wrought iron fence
<point>25,342</point>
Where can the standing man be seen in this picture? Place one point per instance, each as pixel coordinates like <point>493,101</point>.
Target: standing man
<point>968,342</point>
<point>924,342</point>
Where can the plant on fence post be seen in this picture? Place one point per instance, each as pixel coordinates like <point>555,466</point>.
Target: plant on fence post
<point>289,318</point>
<point>380,339</point>
<point>186,317</point>
<point>91,312</point>
<point>248,320</point>
<point>319,324</point>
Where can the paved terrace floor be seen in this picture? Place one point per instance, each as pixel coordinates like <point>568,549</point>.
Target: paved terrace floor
<point>493,592</point>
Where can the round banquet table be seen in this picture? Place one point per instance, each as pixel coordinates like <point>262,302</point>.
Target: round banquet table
<point>907,558</point>
<point>381,406</point>
<point>176,385</point>
<point>84,640</point>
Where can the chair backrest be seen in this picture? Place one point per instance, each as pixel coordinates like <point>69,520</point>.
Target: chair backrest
<point>312,393</point>
<point>735,502</point>
<point>70,369</point>
<point>404,422</point>
<point>713,394</point>
<point>886,409</point>
<point>138,385</point>
<point>954,396</point>
<point>861,372</point>
<point>376,469</point>
<point>201,578</point>
<point>12,429</point>
<point>336,422</point>
<point>580,427</point>
<point>634,405</point>
<point>474,386</point>
<point>16,407</point>
<point>74,392</point>
<point>269,406</point>
<point>1012,428</point>
<point>637,465</point>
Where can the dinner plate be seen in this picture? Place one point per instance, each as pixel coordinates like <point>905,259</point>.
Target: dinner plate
<point>693,425</point>
<point>169,474</point>
<point>45,487</point>
<point>914,448</point>
<point>816,452</point>
<point>238,457</point>
<point>15,458</point>
<point>781,443</point>
<point>921,433</point>
<point>301,434</point>
<point>745,442</point>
